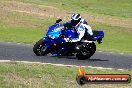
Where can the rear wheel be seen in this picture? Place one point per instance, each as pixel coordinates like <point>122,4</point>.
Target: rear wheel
<point>39,48</point>
<point>86,52</point>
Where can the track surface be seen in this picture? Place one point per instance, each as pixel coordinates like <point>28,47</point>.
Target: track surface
<point>21,52</point>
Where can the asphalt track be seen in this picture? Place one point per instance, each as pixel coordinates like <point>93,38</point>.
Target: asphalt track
<point>23,52</point>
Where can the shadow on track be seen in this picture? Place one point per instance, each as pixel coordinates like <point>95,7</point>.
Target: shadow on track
<point>74,58</point>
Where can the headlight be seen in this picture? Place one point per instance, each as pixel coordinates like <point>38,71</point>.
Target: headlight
<point>51,36</point>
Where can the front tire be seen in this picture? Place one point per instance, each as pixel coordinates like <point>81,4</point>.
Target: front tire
<point>86,52</point>
<point>39,48</point>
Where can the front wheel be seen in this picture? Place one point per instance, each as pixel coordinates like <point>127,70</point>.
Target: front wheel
<point>86,52</point>
<point>39,48</point>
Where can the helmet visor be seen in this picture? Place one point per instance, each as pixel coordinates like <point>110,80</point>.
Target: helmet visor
<point>74,22</point>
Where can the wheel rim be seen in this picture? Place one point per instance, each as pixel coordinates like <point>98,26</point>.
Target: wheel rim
<point>41,48</point>
<point>85,52</point>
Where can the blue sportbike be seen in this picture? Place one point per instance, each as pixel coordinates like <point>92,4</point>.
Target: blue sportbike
<point>53,43</point>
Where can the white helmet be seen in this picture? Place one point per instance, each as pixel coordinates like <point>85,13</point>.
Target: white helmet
<point>75,19</point>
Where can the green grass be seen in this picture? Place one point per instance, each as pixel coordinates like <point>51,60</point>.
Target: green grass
<point>19,34</point>
<point>117,39</point>
<point>14,75</point>
<point>22,28</point>
<point>122,8</point>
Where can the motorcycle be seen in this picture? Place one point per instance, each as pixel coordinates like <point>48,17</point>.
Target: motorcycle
<point>54,43</point>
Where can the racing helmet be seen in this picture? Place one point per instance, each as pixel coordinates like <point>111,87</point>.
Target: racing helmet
<point>75,19</point>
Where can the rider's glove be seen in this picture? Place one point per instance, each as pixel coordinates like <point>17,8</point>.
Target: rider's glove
<point>67,40</point>
<point>95,38</point>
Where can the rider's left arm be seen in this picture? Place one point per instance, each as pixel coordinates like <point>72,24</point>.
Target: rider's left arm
<point>80,35</point>
<point>80,32</point>
<point>89,29</point>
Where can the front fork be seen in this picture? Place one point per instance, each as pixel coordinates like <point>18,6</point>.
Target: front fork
<point>48,44</point>
<point>52,45</point>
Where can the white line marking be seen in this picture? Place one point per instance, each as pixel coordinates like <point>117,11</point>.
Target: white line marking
<point>27,62</point>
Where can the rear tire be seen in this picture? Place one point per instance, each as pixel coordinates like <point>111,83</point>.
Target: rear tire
<point>38,48</point>
<point>86,52</point>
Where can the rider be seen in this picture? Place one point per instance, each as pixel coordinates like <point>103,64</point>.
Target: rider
<point>80,26</point>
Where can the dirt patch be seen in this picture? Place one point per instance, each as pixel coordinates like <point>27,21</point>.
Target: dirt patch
<point>40,10</point>
<point>14,19</point>
<point>11,78</point>
<point>53,12</point>
<point>110,20</point>
<point>16,23</point>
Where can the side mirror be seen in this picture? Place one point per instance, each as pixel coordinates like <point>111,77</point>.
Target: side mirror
<point>58,21</point>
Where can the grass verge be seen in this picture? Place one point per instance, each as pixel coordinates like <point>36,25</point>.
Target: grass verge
<point>116,8</point>
<point>17,75</point>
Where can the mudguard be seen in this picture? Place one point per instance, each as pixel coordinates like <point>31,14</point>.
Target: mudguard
<point>47,41</point>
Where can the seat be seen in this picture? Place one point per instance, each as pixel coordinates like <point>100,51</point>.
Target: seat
<point>97,33</point>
